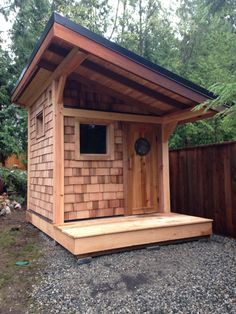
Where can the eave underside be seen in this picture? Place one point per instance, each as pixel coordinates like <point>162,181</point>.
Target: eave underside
<point>102,77</point>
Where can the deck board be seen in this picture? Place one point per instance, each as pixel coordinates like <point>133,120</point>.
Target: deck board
<point>107,234</point>
<point>113,225</point>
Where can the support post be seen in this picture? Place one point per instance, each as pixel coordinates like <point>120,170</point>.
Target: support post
<point>163,135</point>
<point>28,157</point>
<point>58,150</point>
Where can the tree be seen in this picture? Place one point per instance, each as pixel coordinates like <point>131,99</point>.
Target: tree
<point>30,17</point>
<point>145,28</point>
<point>93,14</point>
<point>207,32</point>
<point>224,20</point>
<point>5,75</point>
<point>13,127</point>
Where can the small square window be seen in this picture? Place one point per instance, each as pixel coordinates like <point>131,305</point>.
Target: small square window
<point>93,139</point>
<point>39,124</point>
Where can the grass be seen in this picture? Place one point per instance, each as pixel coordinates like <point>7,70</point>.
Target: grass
<point>15,245</point>
<point>7,239</point>
<point>30,251</point>
<point>18,242</point>
<point>4,279</point>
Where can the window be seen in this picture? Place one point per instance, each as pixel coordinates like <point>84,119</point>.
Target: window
<point>40,124</point>
<point>94,141</point>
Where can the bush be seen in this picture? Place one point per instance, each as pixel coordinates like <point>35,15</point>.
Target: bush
<point>16,183</point>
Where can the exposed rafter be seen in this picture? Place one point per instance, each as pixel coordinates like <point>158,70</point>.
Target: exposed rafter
<point>134,85</point>
<point>48,65</point>
<point>187,115</point>
<point>69,64</point>
<point>99,87</point>
<point>58,50</point>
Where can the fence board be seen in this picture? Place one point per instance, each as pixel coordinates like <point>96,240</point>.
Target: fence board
<point>203,183</point>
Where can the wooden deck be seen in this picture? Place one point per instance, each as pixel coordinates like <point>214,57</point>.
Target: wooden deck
<point>106,234</point>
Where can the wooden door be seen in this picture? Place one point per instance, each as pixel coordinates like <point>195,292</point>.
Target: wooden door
<point>141,169</point>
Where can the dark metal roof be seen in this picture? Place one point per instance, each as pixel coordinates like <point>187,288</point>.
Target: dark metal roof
<point>57,18</point>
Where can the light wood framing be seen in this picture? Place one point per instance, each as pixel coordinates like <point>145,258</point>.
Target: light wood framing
<point>94,237</point>
<point>32,67</point>
<point>188,114</point>
<point>58,150</point>
<point>68,65</point>
<point>28,163</point>
<point>163,134</point>
<point>112,116</point>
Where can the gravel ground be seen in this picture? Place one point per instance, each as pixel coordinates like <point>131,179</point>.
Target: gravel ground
<point>193,277</point>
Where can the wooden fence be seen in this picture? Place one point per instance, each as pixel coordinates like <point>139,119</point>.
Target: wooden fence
<point>203,183</point>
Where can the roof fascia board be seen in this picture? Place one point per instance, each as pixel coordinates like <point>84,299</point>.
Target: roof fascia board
<point>41,45</point>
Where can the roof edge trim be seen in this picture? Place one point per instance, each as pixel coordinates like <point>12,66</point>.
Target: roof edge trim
<point>36,48</point>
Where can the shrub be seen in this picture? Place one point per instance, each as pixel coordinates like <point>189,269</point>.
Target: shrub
<point>16,183</point>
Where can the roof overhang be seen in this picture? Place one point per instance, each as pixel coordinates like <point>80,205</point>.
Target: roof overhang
<point>60,29</point>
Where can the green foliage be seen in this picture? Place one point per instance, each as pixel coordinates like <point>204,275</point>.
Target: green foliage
<point>16,183</point>
<point>202,132</point>
<point>30,19</point>
<point>5,75</point>
<point>227,97</point>
<point>200,47</point>
<point>145,28</point>
<point>13,125</point>
<point>93,14</point>
<point>13,131</point>
<point>7,239</point>
<point>208,42</point>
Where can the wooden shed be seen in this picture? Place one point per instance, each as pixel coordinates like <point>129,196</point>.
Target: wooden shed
<point>99,120</point>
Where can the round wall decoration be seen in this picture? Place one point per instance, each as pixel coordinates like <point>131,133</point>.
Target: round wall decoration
<point>142,146</point>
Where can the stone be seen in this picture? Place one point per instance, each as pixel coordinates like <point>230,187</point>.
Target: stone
<point>17,206</point>
<point>8,210</point>
<point>3,211</point>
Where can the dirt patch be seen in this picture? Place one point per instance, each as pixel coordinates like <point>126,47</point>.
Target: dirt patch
<point>18,242</point>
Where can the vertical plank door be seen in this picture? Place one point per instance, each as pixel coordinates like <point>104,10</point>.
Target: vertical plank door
<point>141,171</point>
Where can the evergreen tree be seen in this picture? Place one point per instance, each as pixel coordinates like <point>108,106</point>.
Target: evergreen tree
<point>207,44</point>
<point>13,127</point>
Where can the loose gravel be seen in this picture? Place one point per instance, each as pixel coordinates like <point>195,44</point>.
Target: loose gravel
<point>193,277</point>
